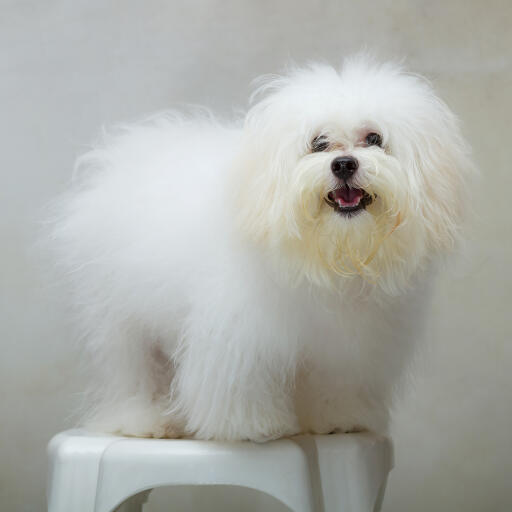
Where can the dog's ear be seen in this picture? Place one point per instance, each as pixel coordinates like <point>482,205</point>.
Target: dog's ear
<point>438,163</point>
<point>268,152</point>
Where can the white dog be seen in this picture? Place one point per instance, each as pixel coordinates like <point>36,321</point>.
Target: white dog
<point>258,281</point>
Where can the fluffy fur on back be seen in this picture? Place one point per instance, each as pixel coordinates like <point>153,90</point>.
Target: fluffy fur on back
<point>228,283</point>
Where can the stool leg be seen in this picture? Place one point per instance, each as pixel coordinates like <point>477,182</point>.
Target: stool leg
<point>73,471</point>
<point>380,497</point>
<point>134,503</point>
<point>353,471</point>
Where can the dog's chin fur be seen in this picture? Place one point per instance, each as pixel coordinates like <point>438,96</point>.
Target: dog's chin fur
<point>220,296</point>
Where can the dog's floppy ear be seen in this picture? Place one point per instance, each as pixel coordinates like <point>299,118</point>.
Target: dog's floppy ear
<point>439,166</point>
<point>268,150</point>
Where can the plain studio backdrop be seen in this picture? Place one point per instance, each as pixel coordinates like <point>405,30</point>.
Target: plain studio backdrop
<point>69,67</point>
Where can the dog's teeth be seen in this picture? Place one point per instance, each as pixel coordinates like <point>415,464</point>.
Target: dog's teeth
<point>342,204</point>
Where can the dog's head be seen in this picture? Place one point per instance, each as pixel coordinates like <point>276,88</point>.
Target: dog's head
<point>359,172</point>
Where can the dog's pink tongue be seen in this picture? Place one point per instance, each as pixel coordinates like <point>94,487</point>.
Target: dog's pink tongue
<point>345,196</point>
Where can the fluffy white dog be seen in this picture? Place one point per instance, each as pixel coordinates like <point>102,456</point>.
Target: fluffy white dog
<point>259,280</point>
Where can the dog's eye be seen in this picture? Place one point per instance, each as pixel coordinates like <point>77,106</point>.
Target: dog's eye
<point>373,139</point>
<point>319,143</point>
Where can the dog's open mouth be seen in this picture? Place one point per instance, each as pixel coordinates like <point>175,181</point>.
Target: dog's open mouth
<point>347,200</point>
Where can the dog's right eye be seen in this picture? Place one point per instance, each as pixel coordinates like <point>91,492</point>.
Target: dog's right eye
<point>319,143</point>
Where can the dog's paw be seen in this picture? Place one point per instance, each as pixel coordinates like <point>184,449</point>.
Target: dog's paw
<point>278,433</point>
<point>260,430</point>
<point>136,418</point>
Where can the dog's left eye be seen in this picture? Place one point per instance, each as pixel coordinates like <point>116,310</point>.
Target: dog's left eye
<point>373,139</point>
<point>319,143</point>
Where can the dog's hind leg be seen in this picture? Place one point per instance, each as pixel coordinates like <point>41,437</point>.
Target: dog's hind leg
<point>129,394</point>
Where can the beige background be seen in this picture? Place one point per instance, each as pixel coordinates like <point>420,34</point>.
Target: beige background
<point>69,67</point>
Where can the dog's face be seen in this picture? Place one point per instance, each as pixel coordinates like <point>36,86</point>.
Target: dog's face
<point>356,173</point>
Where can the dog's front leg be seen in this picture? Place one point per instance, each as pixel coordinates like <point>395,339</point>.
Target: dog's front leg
<point>235,378</point>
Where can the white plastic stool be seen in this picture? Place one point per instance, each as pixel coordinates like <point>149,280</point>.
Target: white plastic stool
<point>97,473</point>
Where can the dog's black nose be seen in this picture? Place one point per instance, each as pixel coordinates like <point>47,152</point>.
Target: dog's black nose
<point>344,167</point>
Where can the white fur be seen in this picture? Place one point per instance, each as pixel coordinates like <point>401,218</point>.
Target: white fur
<point>221,297</point>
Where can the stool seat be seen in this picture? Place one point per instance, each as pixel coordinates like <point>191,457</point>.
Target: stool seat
<point>322,473</point>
